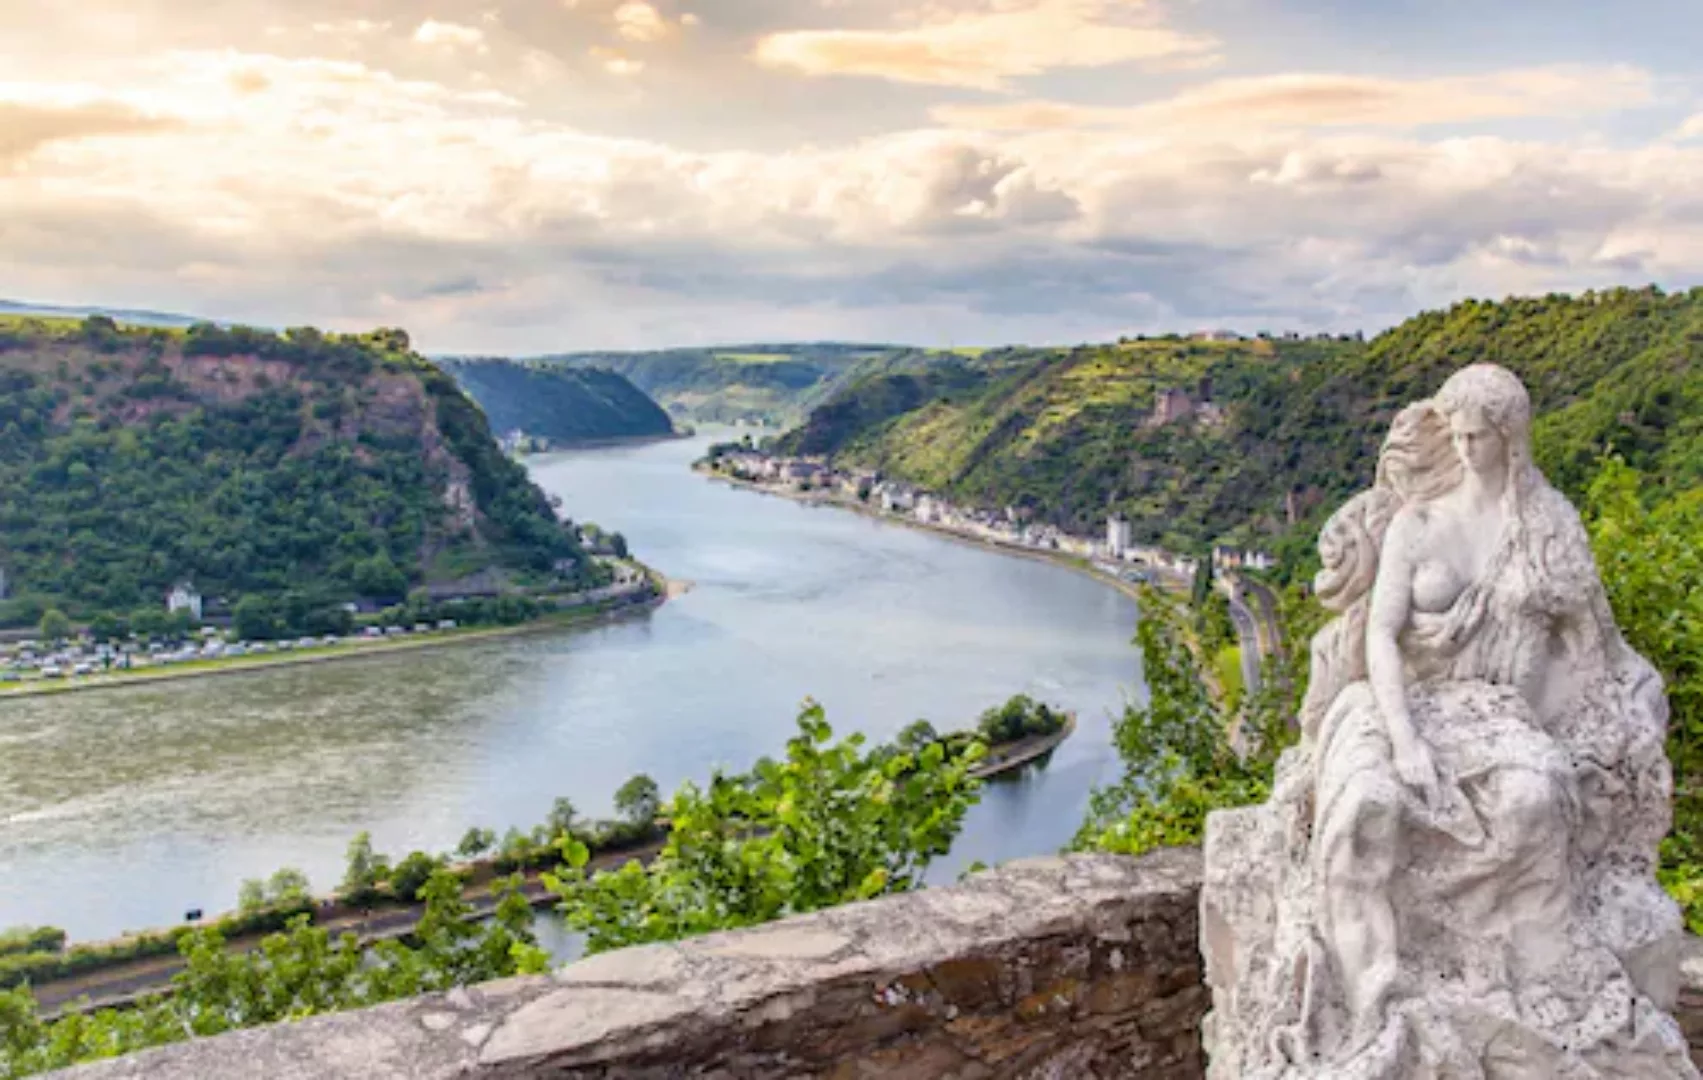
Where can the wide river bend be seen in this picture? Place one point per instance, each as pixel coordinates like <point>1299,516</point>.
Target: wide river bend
<point>121,809</point>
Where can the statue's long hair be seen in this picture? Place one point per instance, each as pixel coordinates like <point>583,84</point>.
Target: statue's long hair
<point>1417,463</point>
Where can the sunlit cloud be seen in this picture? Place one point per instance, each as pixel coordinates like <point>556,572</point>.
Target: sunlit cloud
<point>616,62</point>
<point>985,48</point>
<point>452,35</point>
<point>351,27</point>
<point>638,21</point>
<point>1331,100</point>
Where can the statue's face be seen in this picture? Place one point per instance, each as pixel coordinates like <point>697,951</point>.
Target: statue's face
<point>1479,445</point>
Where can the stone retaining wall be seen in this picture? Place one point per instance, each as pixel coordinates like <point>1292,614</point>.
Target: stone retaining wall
<point>1077,968</point>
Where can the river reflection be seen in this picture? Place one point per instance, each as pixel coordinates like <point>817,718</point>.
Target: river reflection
<point>120,810</point>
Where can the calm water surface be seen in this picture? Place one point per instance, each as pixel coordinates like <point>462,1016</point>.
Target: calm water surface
<point>119,810</point>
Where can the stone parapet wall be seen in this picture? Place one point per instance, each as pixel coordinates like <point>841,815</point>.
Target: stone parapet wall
<point>1084,967</point>
<point>1080,967</point>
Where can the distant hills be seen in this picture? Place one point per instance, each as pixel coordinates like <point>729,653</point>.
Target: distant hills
<point>328,467</point>
<point>767,383</point>
<point>1199,440</point>
<point>562,404</point>
<point>122,315</point>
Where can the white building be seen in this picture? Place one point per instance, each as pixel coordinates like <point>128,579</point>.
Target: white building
<point>928,511</point>
<point>1118,537</point>
<point>185,598</point>
<point>895,499</point>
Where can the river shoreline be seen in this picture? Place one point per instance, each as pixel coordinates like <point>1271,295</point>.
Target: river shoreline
<point>573,618</point>
<point>1056,558</point>
<point>124,982</point>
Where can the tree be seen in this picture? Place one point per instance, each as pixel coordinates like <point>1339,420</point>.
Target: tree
<point>1179,763</point>
<point>288,887</point>
<point>618,545</point>
<point>475,842</point>
<point>562,818</point>
<point>149,622</point>
<point>107,627</point>
<point>1649,547</point>
<point>255,618</point>
<point>829,824</point>
<point>251,896</point>
<point>412,873</point>
<point>365,870</point>
<point>379,578</point>
<point>916,735</point>
<point>54,625</point>
<point>638,800</point>
<point>1020,716</point>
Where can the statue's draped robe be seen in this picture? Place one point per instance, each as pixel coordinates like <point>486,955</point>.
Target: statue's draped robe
<point>1533,939</point>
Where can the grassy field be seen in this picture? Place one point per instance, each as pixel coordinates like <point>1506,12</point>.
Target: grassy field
<point>1228,666</point>
<point>754,357</point>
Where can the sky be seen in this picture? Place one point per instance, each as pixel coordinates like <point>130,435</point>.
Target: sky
<point>525,176</point>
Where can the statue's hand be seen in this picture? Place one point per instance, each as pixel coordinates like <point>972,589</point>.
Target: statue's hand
<point>1416,768</point>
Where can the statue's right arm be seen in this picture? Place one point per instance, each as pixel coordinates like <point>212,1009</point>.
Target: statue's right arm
<point>1392,596</point>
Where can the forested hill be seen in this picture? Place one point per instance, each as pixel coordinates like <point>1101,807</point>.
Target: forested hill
<point>327,467</point>
<point>564,405</point>
<point>1256,435</point>
<point>771,384</point>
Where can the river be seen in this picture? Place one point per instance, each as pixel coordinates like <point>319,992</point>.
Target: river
<point>119,810</point>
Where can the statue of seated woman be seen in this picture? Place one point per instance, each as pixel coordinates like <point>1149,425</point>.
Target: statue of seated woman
<point>1454,875</point>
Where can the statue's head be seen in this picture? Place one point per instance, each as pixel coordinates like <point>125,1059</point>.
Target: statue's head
<point>1489,416</point>
<point>1479,421</point>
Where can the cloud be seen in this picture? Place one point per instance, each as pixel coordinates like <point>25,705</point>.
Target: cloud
<point>26,127</point>
<point>638,21</point>
<point>467,213</point>
<point>616,62</point>
<point>1691,129</point>
<point>1217,108</point>
<point>984,49</point>
<point>450,35</point>
<point>351,27</point>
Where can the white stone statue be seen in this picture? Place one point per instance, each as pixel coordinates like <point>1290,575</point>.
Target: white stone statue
<point>1454,875</point>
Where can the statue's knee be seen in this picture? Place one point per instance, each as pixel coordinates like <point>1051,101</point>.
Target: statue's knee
<point>1365,857</point>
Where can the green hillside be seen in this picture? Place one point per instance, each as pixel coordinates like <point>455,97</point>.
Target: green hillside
<point>335,467</point>
<point>564,405</point>
<point>1289,427</point>
<point>772,384</point>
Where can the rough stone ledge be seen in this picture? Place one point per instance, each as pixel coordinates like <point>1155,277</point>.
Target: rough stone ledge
<point>1082,967</point>
<point>1062,966</point>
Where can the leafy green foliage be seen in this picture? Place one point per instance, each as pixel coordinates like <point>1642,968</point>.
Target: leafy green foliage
<point>1185,751</point>
<point>476,841</point>
<point>54,625</point>
<point>249,463</point>
<point>1018,718</point>
<point>365,869</point>
<point>562,404</point>
<point>298,972</point>
<point>1649,547</point>
<point>31,939</point>
<point>638,800</point>
<point>830,823</point>
<point>412,873</point>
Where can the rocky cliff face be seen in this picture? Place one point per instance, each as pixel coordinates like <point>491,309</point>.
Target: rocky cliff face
<point>245,461</point>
